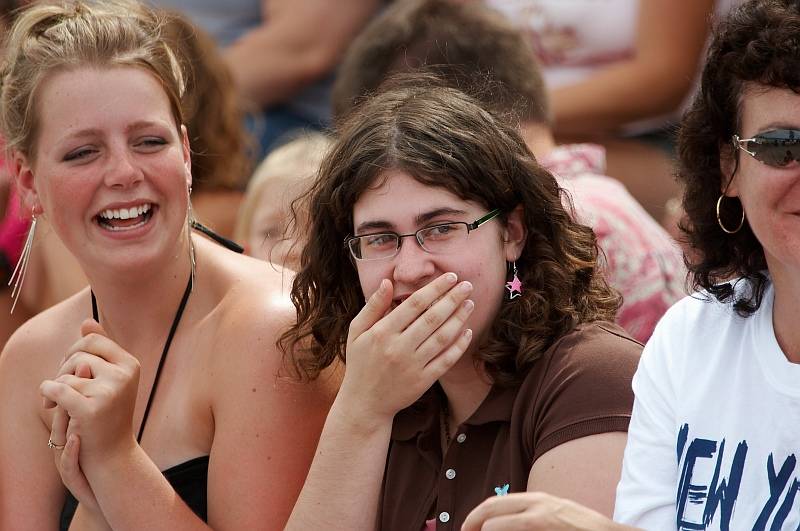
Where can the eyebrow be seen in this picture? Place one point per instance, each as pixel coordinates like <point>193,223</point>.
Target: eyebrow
<point>420,219</point>
<point>93,131</point>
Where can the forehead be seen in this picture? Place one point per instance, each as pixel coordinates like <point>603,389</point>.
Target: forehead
<point>763,107</point>
<point>397,197</point>
<point>86,97</point>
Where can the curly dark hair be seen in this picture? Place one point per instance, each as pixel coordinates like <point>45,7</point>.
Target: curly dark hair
<point>443,138</point>
<point>758,43</point>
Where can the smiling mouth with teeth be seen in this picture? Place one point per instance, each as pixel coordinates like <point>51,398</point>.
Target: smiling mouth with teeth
<point>125,218</point>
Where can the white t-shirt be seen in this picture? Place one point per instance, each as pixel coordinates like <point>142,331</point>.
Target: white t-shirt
<point>715,433</point>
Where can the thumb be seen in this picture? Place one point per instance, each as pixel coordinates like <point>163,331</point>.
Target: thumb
<point>90,326</point>
<point>372,312</point>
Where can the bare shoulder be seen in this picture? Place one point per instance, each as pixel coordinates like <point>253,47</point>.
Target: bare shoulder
<point>38,346</point>
<point>256,301</point>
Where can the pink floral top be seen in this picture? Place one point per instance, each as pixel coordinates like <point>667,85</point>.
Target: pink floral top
<point>642,261</point>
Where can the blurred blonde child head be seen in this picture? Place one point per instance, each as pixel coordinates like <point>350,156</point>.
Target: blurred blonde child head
<point>284,175</point>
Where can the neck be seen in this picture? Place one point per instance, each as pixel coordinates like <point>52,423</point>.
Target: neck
<point>786,312</point>
<point>538,137</point>
<point>140,306</point>
<point>465,386</point>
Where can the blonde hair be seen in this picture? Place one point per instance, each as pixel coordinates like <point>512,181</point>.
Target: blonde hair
<point>299,158</point>
<point>49,38</point>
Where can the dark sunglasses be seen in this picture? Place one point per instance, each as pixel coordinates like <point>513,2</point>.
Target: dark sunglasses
<point>778,147</point>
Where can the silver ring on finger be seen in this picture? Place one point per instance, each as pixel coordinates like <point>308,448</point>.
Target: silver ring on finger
<point>54,446</point>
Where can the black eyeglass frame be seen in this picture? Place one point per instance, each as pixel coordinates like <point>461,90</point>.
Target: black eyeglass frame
<point>470,227</point>
<point>761,139</point>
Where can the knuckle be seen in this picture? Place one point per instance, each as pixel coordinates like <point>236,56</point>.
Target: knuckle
<point>417,303</point>
<point>441,339</point>
<point>430,319</point>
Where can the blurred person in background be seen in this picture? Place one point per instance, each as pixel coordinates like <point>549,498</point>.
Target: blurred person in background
<point>619,72</point>
<point>266,226</point>
<point>282,54</point>
<point>222,150</point>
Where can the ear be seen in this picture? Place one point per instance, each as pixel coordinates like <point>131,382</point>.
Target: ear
<point>728,164</point>
<point>21,170</point>
<point>514,234</point>
<point>187,155</point>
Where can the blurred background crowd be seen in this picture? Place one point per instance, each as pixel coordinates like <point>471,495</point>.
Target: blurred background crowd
<point>596,88</point>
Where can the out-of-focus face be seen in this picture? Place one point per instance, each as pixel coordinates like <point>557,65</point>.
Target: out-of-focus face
<point>403,205</point>
<point>770,195</point>
<point>111,167</point>
<point>267,238</point>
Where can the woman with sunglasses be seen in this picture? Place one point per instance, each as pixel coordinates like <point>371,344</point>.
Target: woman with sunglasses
<point>713,442</point>
<point>163,406</point>
<point>472,316</point>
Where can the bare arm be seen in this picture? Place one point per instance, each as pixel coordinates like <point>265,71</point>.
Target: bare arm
<point>298,42</point>
<point>570,488</point>
<point>584,470</point>
<point>31,493</point>
<point>670,39</point>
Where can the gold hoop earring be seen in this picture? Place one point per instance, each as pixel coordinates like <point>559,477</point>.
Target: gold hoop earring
<point>719,218</point>
<point>18,276</point>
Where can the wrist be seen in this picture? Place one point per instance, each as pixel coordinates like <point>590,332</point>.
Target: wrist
<point>111,461</point>
<point>357,419</point>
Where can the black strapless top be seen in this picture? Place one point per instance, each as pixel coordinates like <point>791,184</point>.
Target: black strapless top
<point>189,479</point>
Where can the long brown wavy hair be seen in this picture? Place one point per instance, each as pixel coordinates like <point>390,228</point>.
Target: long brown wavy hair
<point>758,43</point>
<point>443,138</point>
<point>222,150</point>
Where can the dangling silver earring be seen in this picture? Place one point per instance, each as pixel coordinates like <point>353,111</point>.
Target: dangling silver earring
<point>189,221</point>
<point>18,276</point>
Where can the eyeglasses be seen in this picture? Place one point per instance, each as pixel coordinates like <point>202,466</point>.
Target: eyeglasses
<point>778,148</point>
<point>436,239</point>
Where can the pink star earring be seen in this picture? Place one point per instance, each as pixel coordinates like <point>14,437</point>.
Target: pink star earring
<point>514,286</point>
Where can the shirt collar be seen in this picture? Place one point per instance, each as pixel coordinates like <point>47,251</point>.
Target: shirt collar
<point>423,415</point>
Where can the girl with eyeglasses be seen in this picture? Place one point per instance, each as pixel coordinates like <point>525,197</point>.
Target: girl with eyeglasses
<point>713,442</point>
<point>472,317</point>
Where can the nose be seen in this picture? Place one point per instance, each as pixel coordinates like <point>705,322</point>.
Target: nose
<point>413,266</point>
<point>122,170</point>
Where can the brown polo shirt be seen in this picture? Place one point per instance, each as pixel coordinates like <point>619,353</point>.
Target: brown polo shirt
<point>581,386</point>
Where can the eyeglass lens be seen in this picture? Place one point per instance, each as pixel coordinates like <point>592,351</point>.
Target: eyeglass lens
<point>776,148</point>
<point>442,238</point>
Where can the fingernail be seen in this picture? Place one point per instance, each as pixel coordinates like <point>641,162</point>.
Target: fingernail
<point>468,305</point>
<point>468,333</point>
<point>451,277</point>
<point>465,287</point>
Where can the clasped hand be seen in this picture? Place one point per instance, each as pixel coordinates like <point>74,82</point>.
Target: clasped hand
<point>93,396</point>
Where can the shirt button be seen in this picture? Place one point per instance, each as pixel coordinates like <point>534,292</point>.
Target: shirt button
<point>461,437</point>
<point>444,517</point>
<point>450,474</point>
